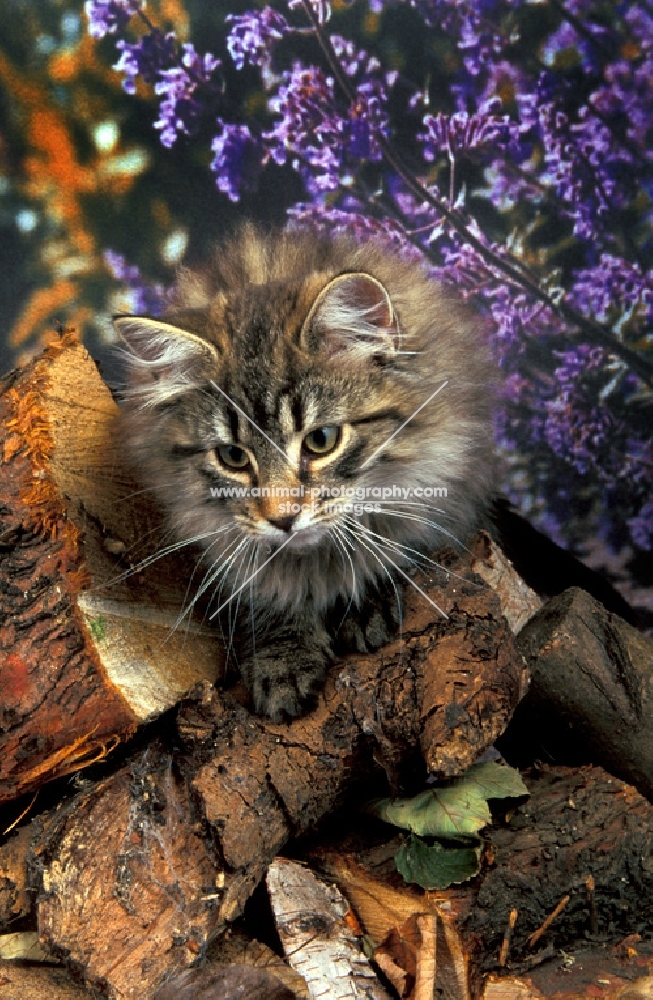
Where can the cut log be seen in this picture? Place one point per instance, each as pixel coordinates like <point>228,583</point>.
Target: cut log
<point>233,982</point>
<point>591,694</point>
<point>236,948</point>
<point>518,601</point>
<point>19,982</point>
<point>16,897</point>
<point>83,659</point>
<point>129,894</point>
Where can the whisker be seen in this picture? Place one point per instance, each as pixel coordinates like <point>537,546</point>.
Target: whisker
<point>335,533</point>
<point>400,612</point>
<point>233,612</point>
<point>258,570</point>
<point>421,558</point>
<point>410,516</point>
<point>168,550</point>
<point>218,573</point>
<point>406,577</point>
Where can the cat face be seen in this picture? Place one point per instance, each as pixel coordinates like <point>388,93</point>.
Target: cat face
<point>283,397</point>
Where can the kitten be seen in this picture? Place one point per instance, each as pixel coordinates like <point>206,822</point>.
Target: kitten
<point>303,363</point>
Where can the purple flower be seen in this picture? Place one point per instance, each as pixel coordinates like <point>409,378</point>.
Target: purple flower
<point>237,160</point>
<point>613,289</point>
<point>181,108</point>
<point>254,35</point>
<point>106,17</point>
<point>146,298</point>
<point>309,128</point>
<point>591,173</point>
<point>148,57</point>
<point>367,122</point>
<point>462,132</point>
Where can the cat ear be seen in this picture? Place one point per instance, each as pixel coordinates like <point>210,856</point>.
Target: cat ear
<point>164,360</point>
<point>353,315</point>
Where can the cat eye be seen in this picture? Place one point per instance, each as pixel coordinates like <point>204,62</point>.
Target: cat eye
<point>322,440</point>
<point>232,456</point>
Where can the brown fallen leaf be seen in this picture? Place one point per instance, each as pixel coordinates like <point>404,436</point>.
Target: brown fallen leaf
<point>408,957</point>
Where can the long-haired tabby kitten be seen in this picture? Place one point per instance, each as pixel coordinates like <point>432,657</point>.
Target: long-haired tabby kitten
<point>295,366</point>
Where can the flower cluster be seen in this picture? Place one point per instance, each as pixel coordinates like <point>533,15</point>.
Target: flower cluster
<point>146,58</point>
<point>108,17</point>
<point>254,35</point>
<point>529,186</point>
<point>237,160</point>
<point>181,87</point>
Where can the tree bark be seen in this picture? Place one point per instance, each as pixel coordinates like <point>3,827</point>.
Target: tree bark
<point>83,659</point>
<point>591,693</point>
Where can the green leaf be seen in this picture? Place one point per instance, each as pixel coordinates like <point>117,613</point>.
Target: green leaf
<point>437,867</point>
<point>459,809</point>
<point>439,812</point>
<point>496,780</point>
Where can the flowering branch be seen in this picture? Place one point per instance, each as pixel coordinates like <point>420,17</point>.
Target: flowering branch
<point>507,264</point>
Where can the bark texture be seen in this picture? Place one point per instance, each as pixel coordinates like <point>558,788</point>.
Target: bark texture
<point>591,693</point>
<point>83,659</point>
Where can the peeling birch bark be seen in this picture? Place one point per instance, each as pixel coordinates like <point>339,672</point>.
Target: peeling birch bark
<point>317,941</point>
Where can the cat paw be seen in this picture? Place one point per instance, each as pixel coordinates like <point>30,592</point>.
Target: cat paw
<point>283,690</point>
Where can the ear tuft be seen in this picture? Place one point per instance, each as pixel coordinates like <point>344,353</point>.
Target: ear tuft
<point>163,359</point>
<point>352,315</point>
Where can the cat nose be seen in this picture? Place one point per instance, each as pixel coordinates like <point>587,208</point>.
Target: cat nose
<point>284,523</point>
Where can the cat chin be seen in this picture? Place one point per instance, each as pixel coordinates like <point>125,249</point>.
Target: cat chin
<point>303,539</point>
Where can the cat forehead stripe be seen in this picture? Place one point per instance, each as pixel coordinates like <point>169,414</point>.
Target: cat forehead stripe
<point>394,434</point>
<point>255,425</point>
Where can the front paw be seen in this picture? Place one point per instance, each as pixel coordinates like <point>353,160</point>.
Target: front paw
<point>283,685</point>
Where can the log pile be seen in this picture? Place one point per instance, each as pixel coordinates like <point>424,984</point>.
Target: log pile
<point>138,878</point>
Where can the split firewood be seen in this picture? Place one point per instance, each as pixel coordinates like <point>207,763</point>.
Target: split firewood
<point>16,896</point>
<point>236,948</point>
<point>22,947</point>
<point>591,694</point>
<point>130,888</point>
<point>519,602</point>
<point>82,662</point>
<point>317,938</point>
<point>596,976</point>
